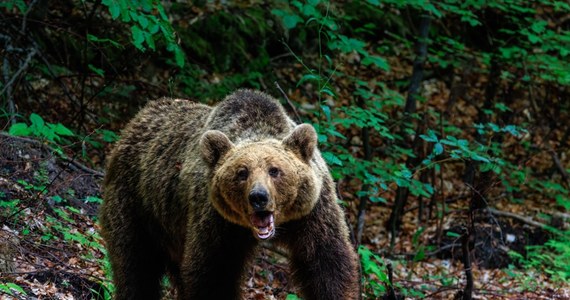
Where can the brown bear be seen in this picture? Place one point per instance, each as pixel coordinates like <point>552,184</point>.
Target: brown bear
<point>190,191</point>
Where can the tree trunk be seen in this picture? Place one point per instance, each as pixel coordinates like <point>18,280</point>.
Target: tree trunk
<point>409,109</point>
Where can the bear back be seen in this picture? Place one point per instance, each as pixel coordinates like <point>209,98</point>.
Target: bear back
<point>248,115</point>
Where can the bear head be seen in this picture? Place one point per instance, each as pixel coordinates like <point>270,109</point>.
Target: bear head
<point>262,184</point>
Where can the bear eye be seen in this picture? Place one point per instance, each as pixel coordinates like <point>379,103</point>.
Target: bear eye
<point>274,172</point>
<point>242,174</point>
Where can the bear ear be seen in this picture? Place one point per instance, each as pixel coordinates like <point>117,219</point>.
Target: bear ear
<point>213,145</point>
<point>302,141</point>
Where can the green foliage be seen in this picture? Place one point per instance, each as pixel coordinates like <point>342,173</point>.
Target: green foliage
<point>19,4</point>
<point>32,187</point>
<point>231,48</point>
<point>9,207</point>
<point>93,199</point>
<point>377,98</point>
<point>12,289</point>
<point>373,272</point>
<point>553,258</point>
<point>39,128</point>
<point>374,106</point>
<point>106,266</point>
<point>100,137</point>
<point>149,22</point>
<point>355,59</point>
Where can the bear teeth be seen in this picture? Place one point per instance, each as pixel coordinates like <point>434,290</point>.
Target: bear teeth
<point>265,232</point>
<point>263,224</point>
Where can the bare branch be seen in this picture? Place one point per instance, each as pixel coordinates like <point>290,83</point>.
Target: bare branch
<point>23,67</point>
<point>297,116</point>
<point>72,163</point>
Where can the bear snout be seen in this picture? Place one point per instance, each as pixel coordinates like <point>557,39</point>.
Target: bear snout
<point>258,198</point>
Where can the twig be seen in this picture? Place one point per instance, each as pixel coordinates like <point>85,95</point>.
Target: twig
<point>51,149</point>
<point>558,165</point>
<point>23,66</point>
<point>447,201</point>
<point>9,99</point>
<point>468,291</point>
<point>391,292</point>
<point>50,70</point>
<point>409,256</point>
<point>517,217</point>
<point>561,215</point>
<point>522,219</point>
<point>297,116</point>
<point>365,188</point>
<point>25,17</point>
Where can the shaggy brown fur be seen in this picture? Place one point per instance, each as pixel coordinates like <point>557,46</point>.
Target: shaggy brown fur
<point>190,190</point>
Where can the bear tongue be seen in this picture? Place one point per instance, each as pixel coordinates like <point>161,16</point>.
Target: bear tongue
<point>263,222</point>
<point>262,219</point>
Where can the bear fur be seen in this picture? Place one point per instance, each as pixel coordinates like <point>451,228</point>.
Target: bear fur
<point>190,191</point>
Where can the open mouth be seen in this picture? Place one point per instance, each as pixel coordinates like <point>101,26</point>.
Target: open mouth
<point>263,225</point>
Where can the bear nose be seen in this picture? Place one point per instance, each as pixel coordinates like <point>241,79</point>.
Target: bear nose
<point>258,199</point>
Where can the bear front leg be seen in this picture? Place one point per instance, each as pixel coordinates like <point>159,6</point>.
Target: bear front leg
<point>137,262</point>
<point>216,255</point>
<point>323,261</point>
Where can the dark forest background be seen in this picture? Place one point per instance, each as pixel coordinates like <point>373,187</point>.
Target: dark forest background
<point>445,123</point>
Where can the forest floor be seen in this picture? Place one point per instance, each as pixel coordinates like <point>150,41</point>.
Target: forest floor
<point>50,247</point>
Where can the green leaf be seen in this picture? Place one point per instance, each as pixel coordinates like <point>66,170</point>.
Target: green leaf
<point>331,158</point>
<point>161,11</point>
<point>138,37</point>
<point>534,38</point>
<point>57,199</point>
<point>420,255</point>
<point>438,149</point>
<point>154,28</point>
<point>37,121</point>
<point>279,12</point>
<point>114,8</point>
<point>48,133</point>
<point>538,26</point>
<point>430,137</point>
<point>143,21</point>
<point>327,91</point>
<point>20,129</point>
<point>62,130</point>
<point>109,136</point>
<point>327,110</point>
<point>378,200</point>
<point>416,236</point>
<point>563,201</point>
<point>93,199</point>
<point>95,39</point>
<point>309,10</point>
<point>308,77</point>
<point>478,157</point>
<point>179,56</point>
<point>96,70</point>
<point>291,21</point>
<point>429,188</point>
<point>377,61</point>
<point>9,286</point>
<point>149,39</point>
<point>502,107</point>
<point>453,234</point>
